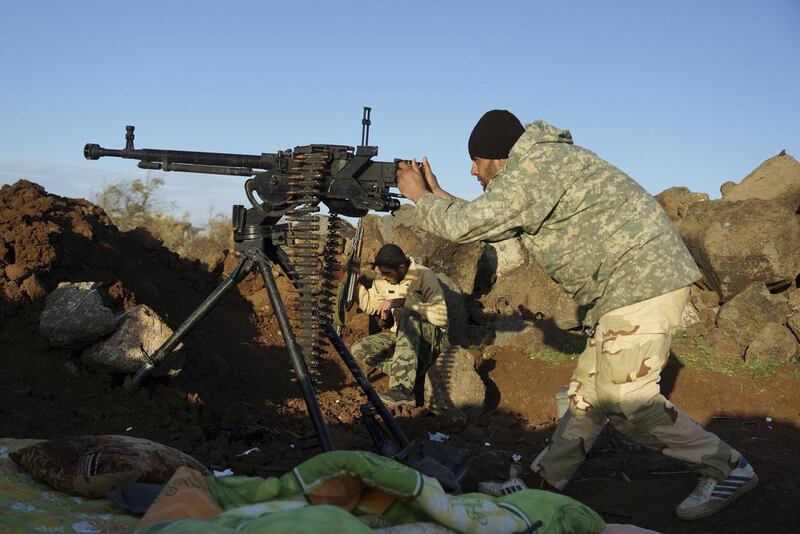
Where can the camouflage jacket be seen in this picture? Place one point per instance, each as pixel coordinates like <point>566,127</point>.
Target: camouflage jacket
<point>593,229</point>
<point>419,287</point>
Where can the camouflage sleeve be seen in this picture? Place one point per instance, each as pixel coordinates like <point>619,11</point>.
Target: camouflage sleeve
<point>517,200</point>
<point>431,304</point>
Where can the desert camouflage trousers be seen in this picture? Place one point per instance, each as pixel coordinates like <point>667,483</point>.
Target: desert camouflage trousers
<point>617,381</point>
<point>399,354</point>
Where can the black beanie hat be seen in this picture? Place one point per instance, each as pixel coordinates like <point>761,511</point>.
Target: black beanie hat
<point>494,135</point>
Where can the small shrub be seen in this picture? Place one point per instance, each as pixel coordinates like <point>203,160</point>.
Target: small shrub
<point>136,204</point>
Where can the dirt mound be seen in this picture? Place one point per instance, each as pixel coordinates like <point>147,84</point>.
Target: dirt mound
<point>236,364</point>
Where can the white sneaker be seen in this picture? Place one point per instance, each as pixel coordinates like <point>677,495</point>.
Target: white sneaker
<point>713,495</point>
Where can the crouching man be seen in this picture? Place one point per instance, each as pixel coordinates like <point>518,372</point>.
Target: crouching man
<point>409,302</point>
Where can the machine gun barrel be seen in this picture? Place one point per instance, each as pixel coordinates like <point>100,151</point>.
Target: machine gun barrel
<point>211,162</point>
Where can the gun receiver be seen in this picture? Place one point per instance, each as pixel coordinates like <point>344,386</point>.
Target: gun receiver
<point>347,181</point>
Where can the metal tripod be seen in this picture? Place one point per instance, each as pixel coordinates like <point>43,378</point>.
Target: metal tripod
<point>259,250</point>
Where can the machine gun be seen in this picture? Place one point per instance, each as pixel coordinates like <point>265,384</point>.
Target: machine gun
<point>289,186</point>
<point>348,182</point>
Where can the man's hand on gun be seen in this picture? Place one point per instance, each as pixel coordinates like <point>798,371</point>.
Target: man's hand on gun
<point>414,180</point>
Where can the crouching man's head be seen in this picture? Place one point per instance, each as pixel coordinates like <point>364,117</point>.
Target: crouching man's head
<point>392,263</point>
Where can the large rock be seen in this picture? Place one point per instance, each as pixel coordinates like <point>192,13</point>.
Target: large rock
<point>746,314</point>
<point>74,315</point>
<point>506,255</point>
<point>675,200</point>
<point>736,243</point>
<point>532,335</point>
<point>724,348</point>
<point>777,179</point>
<point>453,383</point>
<point>773,342</point>
<point>528,292</point>
<point>141,333</point>
<point>713,346</point>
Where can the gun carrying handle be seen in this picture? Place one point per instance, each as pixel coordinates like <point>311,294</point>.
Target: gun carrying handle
<point>249,186</point>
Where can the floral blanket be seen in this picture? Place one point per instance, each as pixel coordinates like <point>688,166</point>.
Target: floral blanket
<point>28,506</point>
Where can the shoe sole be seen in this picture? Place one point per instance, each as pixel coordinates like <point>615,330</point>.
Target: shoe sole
<point>714,506</point>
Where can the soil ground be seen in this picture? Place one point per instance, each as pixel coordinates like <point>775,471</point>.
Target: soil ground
<point>237,389</point>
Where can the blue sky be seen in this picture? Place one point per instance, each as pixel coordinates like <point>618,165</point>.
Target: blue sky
<point>690,93</point>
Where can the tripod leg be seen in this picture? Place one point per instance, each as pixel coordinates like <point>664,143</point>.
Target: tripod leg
<point>183,330</point>
<point>309,395</point>
<point>366,386</point>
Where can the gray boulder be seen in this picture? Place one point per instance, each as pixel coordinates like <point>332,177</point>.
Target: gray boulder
<point>506,255</point>
<point>453,383</point>
<point>736,243</point>
<point>74,315</point>
<point>141,333</point>
<point>746,314</point>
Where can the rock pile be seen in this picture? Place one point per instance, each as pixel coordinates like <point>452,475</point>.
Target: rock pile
<point>747,244</point>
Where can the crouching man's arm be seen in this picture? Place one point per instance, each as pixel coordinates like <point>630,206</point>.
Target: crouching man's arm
<point>367,300</point>
<point>430,303</point>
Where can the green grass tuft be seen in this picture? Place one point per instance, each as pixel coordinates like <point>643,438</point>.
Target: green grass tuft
<point>553,357</point>
<point>701,356</point>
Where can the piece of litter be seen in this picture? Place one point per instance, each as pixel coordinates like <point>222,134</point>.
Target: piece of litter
<point>129,429</point>
<point>248,451</point>
<point>438,436</point>
<point>516,457</point>
<point>225,473</point>
<point>769,419</point>
<point>487,444</point>
<point>626,477</point>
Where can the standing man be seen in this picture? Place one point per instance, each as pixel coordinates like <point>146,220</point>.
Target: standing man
<point>408,297</point>
<point>609,244</point>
